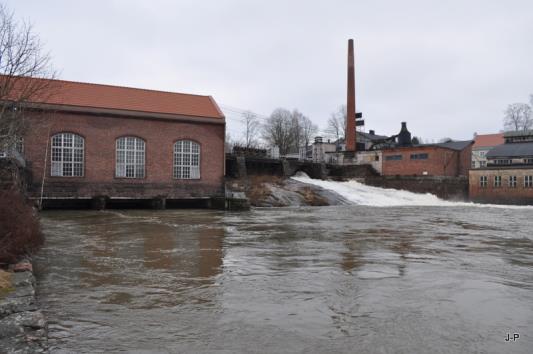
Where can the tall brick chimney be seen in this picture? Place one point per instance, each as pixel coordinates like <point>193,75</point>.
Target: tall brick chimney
<point>350,103</point>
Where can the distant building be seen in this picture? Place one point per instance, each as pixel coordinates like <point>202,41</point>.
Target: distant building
<point>508,175</point>
<point>333,152</point>
<point>320,150</point>
<point>450,159</point>
<point>482,144</point>
<point>366,141</point>
<point>400,157</point>
<point>371,157</point>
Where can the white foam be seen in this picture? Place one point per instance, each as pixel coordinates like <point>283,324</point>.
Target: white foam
<point>361,194</point>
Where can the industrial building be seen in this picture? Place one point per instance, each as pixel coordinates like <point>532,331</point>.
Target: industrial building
<point>111,144</point>
<point>508,175</point>
<point>451,159</point>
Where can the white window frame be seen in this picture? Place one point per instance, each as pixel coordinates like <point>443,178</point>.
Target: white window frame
<point>483,181</point>
<point>497,181</point>
<point>130,157</point>
<point>67,157</point>
<point>528,181</point>
<point>512,181</point>
<point>186,160</point>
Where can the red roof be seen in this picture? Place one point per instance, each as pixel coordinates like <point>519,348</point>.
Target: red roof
<point>80,94</point>
<point>488,140</point>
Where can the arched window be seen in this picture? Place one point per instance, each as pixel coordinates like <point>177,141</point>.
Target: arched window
<point>186,160</point>
<point>130,157</point>
<point>67,155</point>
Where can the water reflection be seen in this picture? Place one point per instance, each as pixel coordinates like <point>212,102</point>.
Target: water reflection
<point>288,280</point>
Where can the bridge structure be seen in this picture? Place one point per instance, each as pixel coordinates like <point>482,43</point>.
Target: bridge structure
<point>238,166</point>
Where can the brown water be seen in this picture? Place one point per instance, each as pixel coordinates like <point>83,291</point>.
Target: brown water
<point>307,280</point>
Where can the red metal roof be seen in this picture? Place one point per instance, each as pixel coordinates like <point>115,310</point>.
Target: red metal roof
<point>80,94</point>
<point>488,140</point>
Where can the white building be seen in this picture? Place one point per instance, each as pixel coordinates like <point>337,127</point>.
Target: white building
<point>482,144</point>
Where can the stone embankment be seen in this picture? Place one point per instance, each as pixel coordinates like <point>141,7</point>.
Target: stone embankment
<point>23,328</point>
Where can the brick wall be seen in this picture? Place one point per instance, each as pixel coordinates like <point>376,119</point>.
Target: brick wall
<point>465,161</point>
<point>503,194</point>
<point>440,162</point>
<point>100,133</point>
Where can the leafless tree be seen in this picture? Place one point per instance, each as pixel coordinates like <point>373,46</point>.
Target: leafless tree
<point>288,130</point>
<point>228,143</point>
<point>308,130</point>
<point>518,117</point>
<point>277,130</point>
<point>24,73</point>
<point>251,126</point>
<point>527,119</point>
<point>337,123</point>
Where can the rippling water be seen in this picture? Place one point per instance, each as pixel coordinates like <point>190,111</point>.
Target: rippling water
<point>310,280</point>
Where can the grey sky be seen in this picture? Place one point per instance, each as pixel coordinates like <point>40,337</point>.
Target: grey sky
<point>448,68</point>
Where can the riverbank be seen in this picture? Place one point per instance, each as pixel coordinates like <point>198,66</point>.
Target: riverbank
<point>23,327</point>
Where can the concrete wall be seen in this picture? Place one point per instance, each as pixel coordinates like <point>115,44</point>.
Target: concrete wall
<point>373,158</point>
<point>351,171</point>
<point>503,194</point>
<point>100,134</point>
<point>452,188</point>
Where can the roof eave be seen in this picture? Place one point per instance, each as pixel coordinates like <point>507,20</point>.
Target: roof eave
<point>126,113</point>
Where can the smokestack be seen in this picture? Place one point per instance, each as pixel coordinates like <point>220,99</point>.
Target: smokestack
<point>404,138</point>
<point>350,102</point>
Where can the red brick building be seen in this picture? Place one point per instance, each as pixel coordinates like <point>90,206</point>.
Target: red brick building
<point>452,159</point>
<point>116,143</point>
<point>508,175</point>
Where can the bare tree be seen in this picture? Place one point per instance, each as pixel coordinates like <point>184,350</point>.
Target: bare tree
<point>308,130</point>
<point>527,118</point>
<point>296,130</point>
<point>251,126</point>
<point>228,143</point>
<point>518,117</point>
<point>288,130</point>
<point>337,123</point>
<point>277,130</point>
<point>24,73</point>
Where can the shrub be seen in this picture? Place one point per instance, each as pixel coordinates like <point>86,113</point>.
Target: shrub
<point>20,233</point>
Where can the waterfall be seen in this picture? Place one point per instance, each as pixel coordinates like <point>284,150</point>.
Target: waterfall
<point>361,194</point>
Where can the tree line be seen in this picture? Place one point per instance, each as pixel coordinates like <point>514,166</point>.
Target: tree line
<point>288,130</point>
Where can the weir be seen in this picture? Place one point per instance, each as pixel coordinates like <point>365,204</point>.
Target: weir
<point>361,194</point>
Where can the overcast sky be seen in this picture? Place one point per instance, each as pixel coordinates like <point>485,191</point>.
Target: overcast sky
<point>448,68</point>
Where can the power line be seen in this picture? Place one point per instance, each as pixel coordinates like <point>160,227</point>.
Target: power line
<point>241,111</point>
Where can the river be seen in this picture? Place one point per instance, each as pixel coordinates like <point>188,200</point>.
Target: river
<point>340,279</point>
